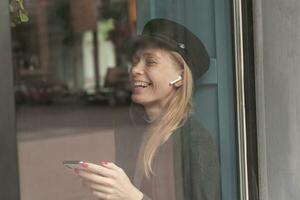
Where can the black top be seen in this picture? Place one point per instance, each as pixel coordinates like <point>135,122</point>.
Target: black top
<point>186,165</point>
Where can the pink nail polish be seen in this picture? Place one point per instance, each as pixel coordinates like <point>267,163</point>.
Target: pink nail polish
<point>103,162</point>
<point>83,164</point>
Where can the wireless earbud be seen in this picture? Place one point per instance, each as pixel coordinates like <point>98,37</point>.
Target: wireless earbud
<point>176,80</point>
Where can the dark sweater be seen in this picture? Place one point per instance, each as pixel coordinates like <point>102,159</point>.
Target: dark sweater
<point>186,165</point>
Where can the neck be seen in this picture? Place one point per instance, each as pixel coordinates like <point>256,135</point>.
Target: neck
<point>153,112</point>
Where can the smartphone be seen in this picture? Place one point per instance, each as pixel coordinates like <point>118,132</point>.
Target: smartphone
<point>71,164</point>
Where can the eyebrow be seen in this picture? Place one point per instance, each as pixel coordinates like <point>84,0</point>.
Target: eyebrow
<point>148,54</point>
<point>152,55</point>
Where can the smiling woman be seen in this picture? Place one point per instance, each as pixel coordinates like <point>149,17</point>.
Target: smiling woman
<point>171,156</point>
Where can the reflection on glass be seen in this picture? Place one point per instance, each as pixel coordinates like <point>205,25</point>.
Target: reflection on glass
<point>71,85</point>
<point>73,95</point>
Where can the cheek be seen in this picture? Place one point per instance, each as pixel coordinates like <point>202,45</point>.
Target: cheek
<point>162,89</point>
<point>160,84</point>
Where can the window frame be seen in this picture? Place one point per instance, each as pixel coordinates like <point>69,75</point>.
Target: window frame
<point>245,100</point>
<point>9,169</point>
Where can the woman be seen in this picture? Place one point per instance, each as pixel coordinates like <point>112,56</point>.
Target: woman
<point>168,155</point>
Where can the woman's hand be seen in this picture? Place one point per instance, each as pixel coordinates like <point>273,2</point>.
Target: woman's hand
<point>108,181</point>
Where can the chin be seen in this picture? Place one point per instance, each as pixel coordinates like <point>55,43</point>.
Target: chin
<point>136,100</point>
<point>139,100</point>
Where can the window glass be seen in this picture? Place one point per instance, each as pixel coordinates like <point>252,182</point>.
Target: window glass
<point>88,89</point>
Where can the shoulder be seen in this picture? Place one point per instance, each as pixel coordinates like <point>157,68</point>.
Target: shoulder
<point>201,163</point>
<point>195,130</point>
<point>199,146</point>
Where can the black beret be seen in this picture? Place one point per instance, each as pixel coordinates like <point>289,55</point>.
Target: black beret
<point>176,37</point>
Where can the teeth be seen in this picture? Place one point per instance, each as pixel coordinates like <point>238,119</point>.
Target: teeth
<point>141,84</point>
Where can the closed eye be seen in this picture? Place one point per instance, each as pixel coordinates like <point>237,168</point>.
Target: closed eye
<point>150,63</point>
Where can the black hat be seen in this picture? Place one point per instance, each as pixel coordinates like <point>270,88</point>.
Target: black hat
<point>178,38</point>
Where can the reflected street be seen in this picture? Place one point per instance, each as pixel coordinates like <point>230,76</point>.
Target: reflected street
<point>34,122</point>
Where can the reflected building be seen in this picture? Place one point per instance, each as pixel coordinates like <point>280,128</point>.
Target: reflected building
<point>71,45</point>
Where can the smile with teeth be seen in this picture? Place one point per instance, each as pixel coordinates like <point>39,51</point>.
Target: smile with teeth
<point>141,84</point>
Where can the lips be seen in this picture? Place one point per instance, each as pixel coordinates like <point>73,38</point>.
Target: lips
<point>139,86</point>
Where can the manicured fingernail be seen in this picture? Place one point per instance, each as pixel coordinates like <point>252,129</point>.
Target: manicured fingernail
<point>76,171</point>
<point>83,164</point>
<point>103,162</point>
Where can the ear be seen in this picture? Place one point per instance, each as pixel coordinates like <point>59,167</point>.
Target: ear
<point>178,84</point>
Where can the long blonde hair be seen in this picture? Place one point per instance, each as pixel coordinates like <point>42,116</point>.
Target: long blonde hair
<point>175,114</point>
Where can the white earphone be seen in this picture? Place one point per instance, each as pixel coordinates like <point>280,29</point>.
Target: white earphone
<point>176,80</point>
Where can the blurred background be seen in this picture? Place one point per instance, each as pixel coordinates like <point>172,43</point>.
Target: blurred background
<point>73,51</point>
<point>71,87</point>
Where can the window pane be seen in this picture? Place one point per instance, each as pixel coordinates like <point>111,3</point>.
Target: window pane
<point>64,110</point>
<point>76,100</point>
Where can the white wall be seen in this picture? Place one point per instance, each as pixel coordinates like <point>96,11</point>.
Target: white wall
<point>277,52</point>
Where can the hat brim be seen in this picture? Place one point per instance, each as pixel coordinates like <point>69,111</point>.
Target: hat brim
<point>147,41</point>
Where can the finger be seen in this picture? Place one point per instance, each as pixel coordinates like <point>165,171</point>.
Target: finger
<point>91,185</point>
<point>102,195</point>
<point>89,176</point>
<point>97,169</point>
<point>100,188</point>
<point>112,166</point>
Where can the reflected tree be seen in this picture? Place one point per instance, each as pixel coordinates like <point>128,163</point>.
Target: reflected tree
<point>17,12</point>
